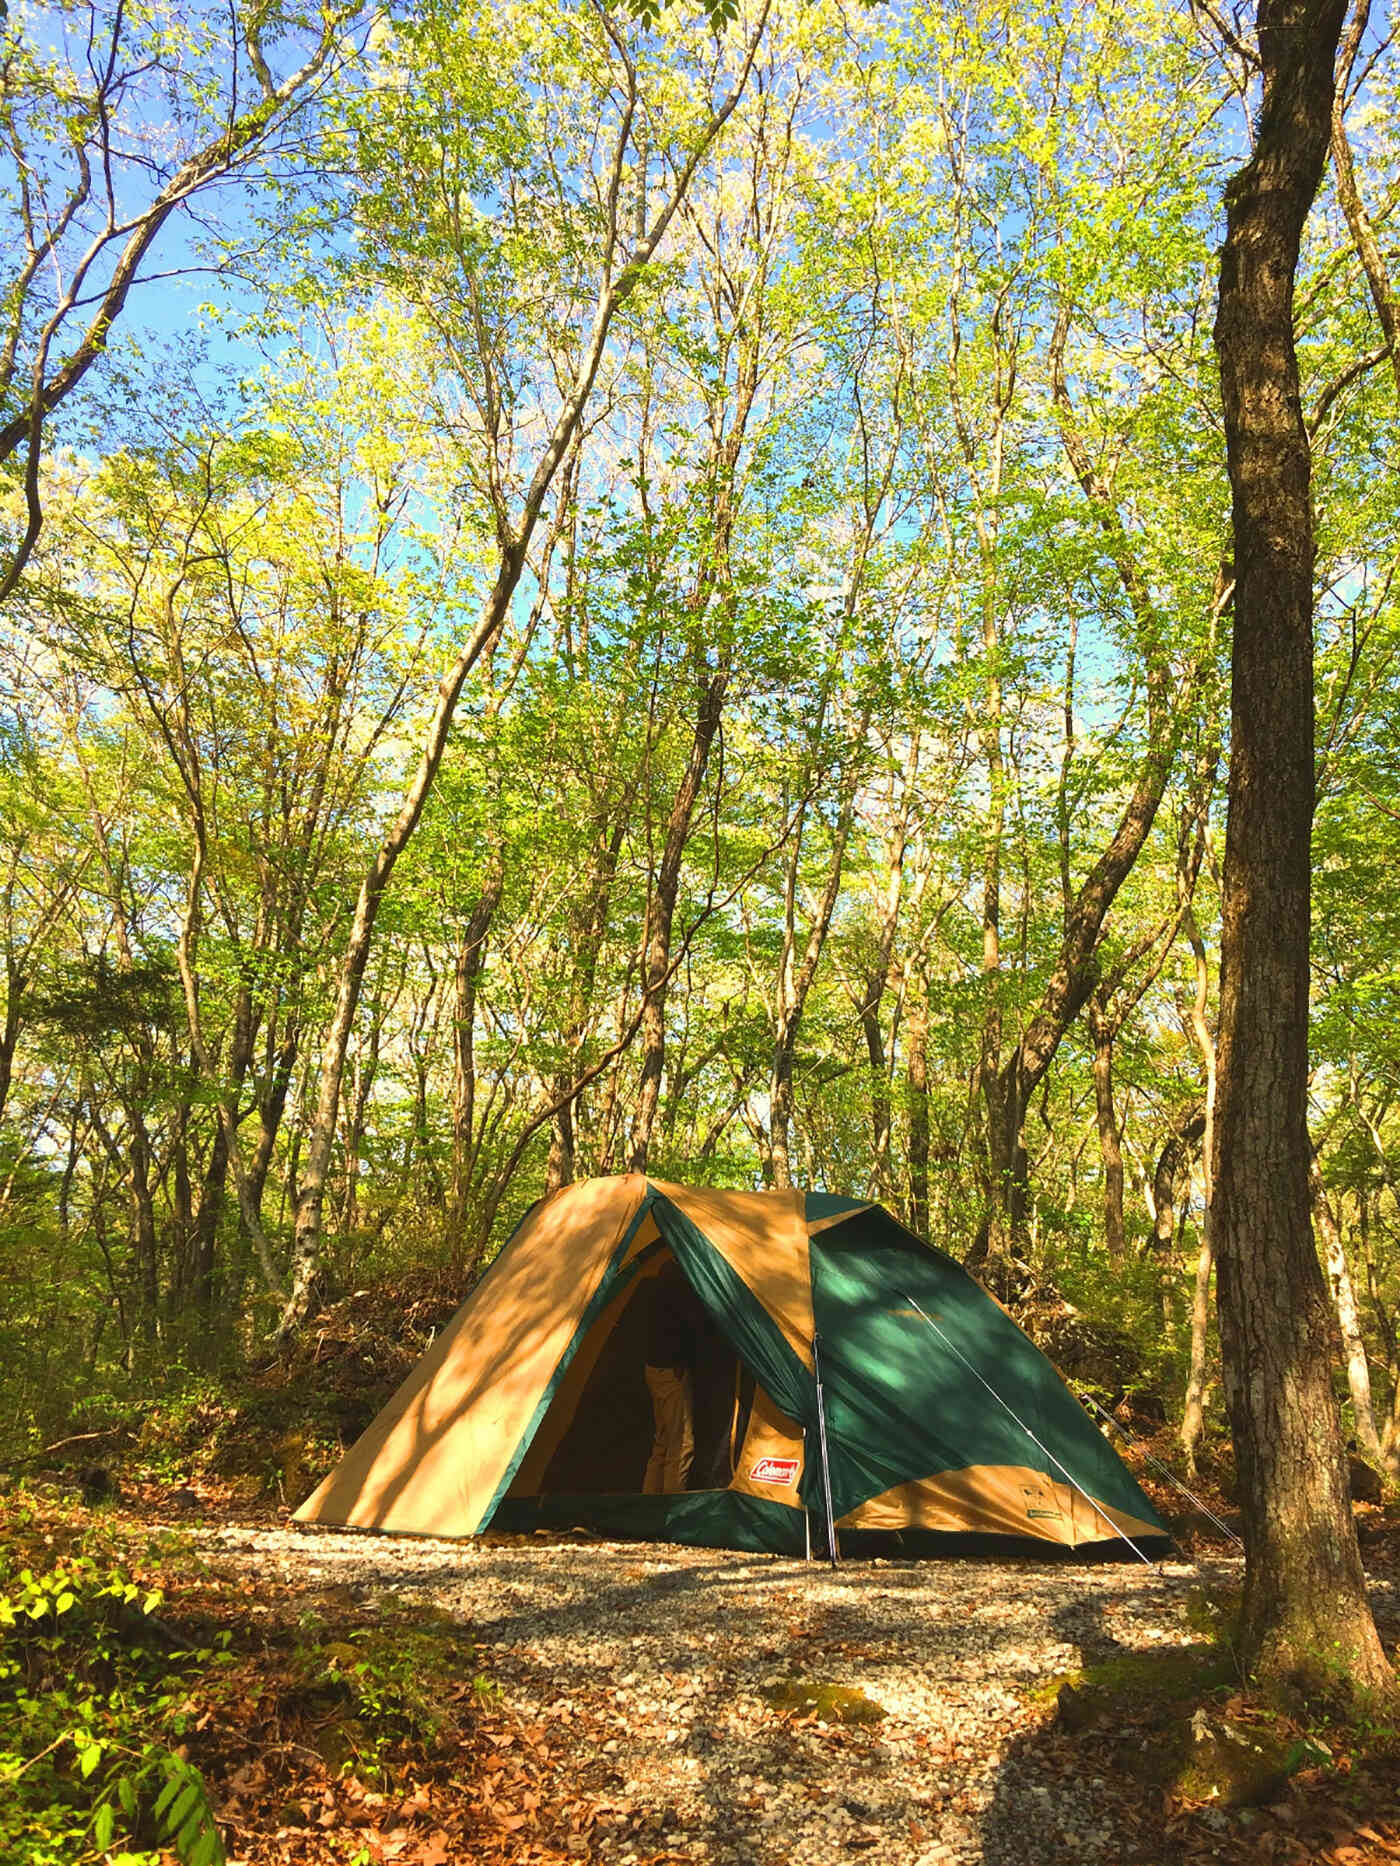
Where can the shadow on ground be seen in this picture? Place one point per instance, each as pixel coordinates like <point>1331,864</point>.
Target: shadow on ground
<point>1133,1776</point>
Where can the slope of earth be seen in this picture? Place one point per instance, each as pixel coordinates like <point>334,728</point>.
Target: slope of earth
<point>746,1710</point>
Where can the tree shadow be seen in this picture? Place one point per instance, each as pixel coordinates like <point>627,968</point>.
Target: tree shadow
<point>1088,1792</point>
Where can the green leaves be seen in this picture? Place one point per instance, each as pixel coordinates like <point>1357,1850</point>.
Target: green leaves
<point>718,13</point>
<point>78,1616</point>
<point>183,1812</point>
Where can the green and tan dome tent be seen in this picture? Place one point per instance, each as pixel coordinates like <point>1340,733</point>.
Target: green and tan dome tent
<point>947,1432</point>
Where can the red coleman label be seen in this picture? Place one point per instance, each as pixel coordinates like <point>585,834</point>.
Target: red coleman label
<point>774,1471</point>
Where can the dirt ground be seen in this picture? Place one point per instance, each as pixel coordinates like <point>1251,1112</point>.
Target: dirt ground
<point>747,1710</point>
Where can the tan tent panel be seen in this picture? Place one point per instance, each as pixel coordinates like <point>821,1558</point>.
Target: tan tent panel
<point>772,1457</point>
<point>995,1500</point>
<point>431,1463</point>
<point>763,1238</point>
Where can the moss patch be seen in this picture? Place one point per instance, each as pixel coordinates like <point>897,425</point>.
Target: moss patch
<point>1238,1762</point>
<point>1214,1614</point>
<point>1178,1719</point>
<point>805,1697</point>
<point>1130,1679</point>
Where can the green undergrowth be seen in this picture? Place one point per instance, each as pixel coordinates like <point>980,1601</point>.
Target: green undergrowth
<point>95,1703</point>
<point>136,1688</point>
<point>265,1431</point>
<point>373,1689</point>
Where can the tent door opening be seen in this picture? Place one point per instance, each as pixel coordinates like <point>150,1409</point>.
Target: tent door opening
<point>597,1433</point>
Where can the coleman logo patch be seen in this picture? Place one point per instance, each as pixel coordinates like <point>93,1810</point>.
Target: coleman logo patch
<point>774,1471</point>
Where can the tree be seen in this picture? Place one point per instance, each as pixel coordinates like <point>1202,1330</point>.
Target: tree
<point>617,211</point>
<point>115,118</point>
<point>1305,1608</point>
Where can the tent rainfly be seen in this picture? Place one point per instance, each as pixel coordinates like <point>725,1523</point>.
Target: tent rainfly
<point>947,1431</point>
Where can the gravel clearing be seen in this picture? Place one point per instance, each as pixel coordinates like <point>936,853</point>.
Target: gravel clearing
<point>650,1664</point>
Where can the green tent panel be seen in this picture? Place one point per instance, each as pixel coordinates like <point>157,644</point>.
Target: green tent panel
<point>948,1432</point>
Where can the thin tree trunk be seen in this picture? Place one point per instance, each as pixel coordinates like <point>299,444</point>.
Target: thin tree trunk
<point>616,285</point>
<point>1193,1423</point>
<point>212,1191</point>
<point>916,1068</point>
<point>1305,1610</point>
<point>1167,1177</point>
<point>1193,1416</point>
<point>470,957</point>
<point>876,984</point>
<point>1359,225</point>
<point>1110,1143</point>
<point>711,689</point>
<point>15,982</point>
<point>796,973</point>
<point>1348,1321</point>
<point>143,1225</point>
<point>661,911</point>
<point>589,930</point>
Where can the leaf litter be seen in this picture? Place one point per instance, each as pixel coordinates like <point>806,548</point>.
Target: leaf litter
<point>542,1700</point>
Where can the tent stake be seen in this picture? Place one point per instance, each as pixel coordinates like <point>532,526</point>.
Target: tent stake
<point>831,1547</point>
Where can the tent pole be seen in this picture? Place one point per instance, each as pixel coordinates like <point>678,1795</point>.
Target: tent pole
<point>806,1513</point>
<point>832,1550</point>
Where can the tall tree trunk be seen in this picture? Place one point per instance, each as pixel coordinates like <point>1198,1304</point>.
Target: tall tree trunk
<point>1359,223</point>
<point>714,579</point>
<point>143,1225</point>
<point>1193,1415</point>
<point>1305,1608</point>
<point>470,956</point>
<point>1193,1418</point>
<point>181,1226</point>
<point>1007,1089</point>
<point>1167,1179</point>
<point>916,1069</point>
<point>876,983</point>
<point>590,927</point>
<point>214,1186</point>
<point>15,982</point>
<point>1169,1174</point>
<point>272,1104</point>
<point>661,912</point>
<point>797,969</point>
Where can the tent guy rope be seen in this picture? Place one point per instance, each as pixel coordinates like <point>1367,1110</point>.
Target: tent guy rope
<point>1045,1451</point>
<point>1158,1465</point>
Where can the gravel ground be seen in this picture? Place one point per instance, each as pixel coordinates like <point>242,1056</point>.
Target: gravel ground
<point>649,1666</point>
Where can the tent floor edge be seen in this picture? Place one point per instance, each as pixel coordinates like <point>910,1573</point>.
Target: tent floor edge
<point>727,1519</point>
<point>719,1519</point>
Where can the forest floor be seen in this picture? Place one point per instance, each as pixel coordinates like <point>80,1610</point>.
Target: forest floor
<point>540,1700</point>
